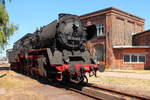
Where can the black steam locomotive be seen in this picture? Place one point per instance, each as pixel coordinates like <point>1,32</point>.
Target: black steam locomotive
<point>56,51</point>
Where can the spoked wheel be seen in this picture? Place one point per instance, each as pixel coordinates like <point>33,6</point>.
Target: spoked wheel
<point>84,79</point>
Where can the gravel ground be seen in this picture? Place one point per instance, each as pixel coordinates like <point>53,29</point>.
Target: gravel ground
<point>14,86</point>
<point>127,82</point>
<point>126,75</point>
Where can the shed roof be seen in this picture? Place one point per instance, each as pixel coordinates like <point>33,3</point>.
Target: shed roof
<point>141,32</point>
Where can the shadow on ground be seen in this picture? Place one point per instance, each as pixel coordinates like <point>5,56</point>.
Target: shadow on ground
<point>45,81</point>
<point>57,84</point>
<point>4,68</point>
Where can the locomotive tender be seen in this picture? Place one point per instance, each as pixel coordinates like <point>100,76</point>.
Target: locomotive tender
<point>56,51</point>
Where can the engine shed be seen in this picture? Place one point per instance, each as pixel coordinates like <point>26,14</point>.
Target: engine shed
<point>113,33</point>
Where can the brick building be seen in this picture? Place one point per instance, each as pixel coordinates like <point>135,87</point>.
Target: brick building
<point>110,33</point>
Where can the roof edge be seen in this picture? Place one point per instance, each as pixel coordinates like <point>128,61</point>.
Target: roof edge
<point>111,9</point>
<point>140,32</point>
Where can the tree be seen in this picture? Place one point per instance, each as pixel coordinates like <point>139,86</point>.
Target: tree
<point>3,1</point>
<point>6,29</point>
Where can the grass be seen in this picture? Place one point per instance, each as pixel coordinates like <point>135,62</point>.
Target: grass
<point>12,83</point>
<point>16,87</point>
<point>14,80</point>
<point>142,85</point>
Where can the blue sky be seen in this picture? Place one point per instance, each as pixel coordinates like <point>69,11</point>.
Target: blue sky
<point>32,14</point>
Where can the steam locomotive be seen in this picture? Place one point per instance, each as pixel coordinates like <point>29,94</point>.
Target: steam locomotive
<point>55,51</point>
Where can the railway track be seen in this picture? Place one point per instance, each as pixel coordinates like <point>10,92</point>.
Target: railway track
<point>96,92</point>
<point>101,93</point>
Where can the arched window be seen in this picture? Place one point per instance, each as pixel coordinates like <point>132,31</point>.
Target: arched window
<point>99,52</point>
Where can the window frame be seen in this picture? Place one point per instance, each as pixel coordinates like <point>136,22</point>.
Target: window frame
<point>137,58</point>
<point>100,29</point>
<point>130,58</point>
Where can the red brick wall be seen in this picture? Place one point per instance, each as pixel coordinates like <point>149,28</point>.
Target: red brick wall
<point>119,63</point>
